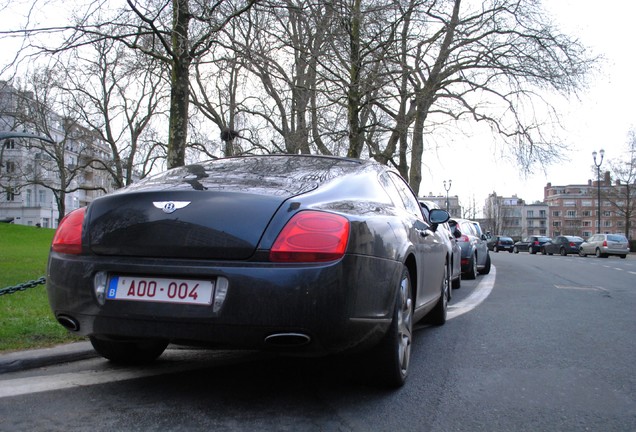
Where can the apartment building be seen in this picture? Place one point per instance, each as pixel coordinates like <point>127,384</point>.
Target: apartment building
<point>513,217</point>
<point>30,178</point>
<point>574,209</point>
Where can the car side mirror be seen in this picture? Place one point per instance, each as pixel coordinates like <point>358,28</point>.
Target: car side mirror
<point>438,216</point>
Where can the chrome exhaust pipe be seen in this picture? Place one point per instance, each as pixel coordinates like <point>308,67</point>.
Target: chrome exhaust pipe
<point>68,322</point>
<point>287,340</point>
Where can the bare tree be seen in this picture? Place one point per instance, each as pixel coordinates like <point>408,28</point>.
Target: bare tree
<point>175,32</point>
<point>354,78</point>
<point>116,93</point>
<point>622,195</point>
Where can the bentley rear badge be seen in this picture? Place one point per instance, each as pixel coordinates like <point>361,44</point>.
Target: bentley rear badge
<point>170,206</point>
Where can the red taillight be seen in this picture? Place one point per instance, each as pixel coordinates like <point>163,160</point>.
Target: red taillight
<point>312,236</point>
<point>464,238</point>
<point>68,237</point>
<point>572,244</point>
<point>536,242</point>
<point>604,243</point>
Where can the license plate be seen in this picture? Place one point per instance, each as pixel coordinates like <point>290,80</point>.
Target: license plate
<point>184,291</point>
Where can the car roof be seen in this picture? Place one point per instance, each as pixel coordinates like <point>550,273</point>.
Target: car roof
<point>279,174</point>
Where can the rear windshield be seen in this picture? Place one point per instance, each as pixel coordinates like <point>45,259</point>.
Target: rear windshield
<point>617,238</point>
<point>575,239</point>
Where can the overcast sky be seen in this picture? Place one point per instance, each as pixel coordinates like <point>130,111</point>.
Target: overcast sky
<point>600,119</point>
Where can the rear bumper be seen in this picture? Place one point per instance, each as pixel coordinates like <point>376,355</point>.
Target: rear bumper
<point>337,306</point>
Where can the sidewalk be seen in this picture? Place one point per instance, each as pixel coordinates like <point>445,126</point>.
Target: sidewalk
<point>31,359</point>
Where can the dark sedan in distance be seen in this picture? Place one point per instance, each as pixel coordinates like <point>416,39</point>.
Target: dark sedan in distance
<point>531,244</point>
<point>298,254</point>
<point>500,243</point>
<point>562,245</point>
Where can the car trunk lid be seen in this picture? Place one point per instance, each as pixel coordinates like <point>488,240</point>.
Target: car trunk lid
<point>212,225</point>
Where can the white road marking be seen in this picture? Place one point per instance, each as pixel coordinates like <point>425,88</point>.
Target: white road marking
<point>581,288</point>
<point>479,294</point>
<point>22,386</point>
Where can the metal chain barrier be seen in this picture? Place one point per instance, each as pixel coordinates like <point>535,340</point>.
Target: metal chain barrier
<point>22,287</point>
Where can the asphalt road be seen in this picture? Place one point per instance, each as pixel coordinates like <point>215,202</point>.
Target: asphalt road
<point>544,343</point>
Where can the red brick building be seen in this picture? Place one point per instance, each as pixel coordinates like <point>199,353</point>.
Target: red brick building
<point>573,209</point>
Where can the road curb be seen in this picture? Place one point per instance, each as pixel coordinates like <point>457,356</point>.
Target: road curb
<point>31,359</point>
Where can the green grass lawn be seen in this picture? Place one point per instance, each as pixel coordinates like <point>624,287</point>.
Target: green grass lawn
<point>25,318</point>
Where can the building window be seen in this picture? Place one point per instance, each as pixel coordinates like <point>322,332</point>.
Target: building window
<point>542,213</point>
<point>607,223</point>
<point>556,224</point>
<point>556,213</point>
<point>569,203</point>
<point>10,195</point>
<point>42,196</point>
<point>530,213</point>
<point>587,223</point>
<point>10,165</point>
<point>607,213</point>
<point>587,213</point>
<point>571,213</point>
<point>586,234</point>
<point>586,203</point>
<point>9,144</point>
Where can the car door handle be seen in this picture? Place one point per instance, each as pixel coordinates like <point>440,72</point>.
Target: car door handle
<point>422,232</point>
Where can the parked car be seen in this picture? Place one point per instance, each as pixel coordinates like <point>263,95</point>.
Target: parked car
<point>452,244</point>
<point>500,243</point>
<point>604,245</point>
<point>562,245</point>
<point>474,246</point>
<point>530,244</point>
<point>303,255</point>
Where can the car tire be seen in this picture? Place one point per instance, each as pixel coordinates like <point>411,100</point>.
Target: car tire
<point>515,250</point>
<point>495,249</point>
<point>623,256</point>
<point>486,268</point>
<point>599,254</point>
<point>129,352</point>
<point>563,252</point>
<point>457,282</point>
<point>472,271</point>
<point>543,252</point>
<point>437,316</point>
<point>531,250</point>
<point>582,254</point>
<point>389,360</point>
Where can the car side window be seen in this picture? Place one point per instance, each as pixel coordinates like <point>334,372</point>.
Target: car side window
<point>409,200</point>
<point>467,228</point>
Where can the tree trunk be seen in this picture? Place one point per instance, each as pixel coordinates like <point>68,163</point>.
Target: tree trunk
<point>180,79</point>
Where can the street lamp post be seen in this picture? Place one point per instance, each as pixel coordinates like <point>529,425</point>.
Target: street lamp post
<point>598,187</point>
<point>447,189</point>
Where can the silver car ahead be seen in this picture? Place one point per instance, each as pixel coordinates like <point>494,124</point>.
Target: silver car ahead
<point>604,245</point>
